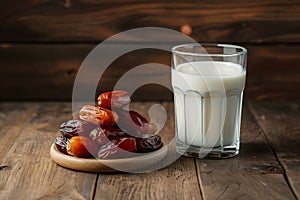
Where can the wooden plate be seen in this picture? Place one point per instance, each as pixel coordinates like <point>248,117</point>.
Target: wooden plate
<point>110,165</point>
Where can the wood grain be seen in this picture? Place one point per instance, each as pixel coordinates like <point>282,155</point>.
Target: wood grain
<point>273,72</point>
<point>176,181</point>
<point>280,122</point>
<point>90,20</point>
<point>49,71</point>
<point>12,118</point>
<point>30,172</point>
<point>134,163</point>
<point>253,174</point>
<point>28,129</point>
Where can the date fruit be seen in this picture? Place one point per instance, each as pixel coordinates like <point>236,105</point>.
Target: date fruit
<point>74,127</point>
<point>98,135</point>
<point>107,130</point>
<point>145,126</point>
<point>102,135</point>
<point>149,144</point>
<point>135,124</point>
<point>82,147</point>
<point>117,148</point>
<point>113,99</point>
<point>98,115</point>
<point>61,144</point>
<point>138,118</point>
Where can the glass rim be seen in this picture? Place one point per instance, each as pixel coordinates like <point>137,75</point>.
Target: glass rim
<point>218,45</point>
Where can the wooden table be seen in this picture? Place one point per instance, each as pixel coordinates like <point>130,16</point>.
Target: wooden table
<point>268,166</point>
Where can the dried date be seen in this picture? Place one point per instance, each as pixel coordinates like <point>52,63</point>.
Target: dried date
<point>101,132</point>
<point>98,115</point>
<point>75,127</point>
<point>138,118</point>
<point>149,144</point>
<point>135,124</point>
<point>117,148</point>
<point>82,147</point>
<point>61,144</point>
<point>113,99</point>
<point>104,135</point>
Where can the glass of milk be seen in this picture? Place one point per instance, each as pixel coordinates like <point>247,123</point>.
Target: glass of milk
<point>208,82</point>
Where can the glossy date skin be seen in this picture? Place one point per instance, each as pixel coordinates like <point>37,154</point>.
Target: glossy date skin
<point>149,144</point>
<point>61,144</point>
<point>103,135</point>
<point>82,147</point>
<point>75,127</point>
<point>114,99</point>
<point>108,144</point>
<point>118,148</point>
<point>100,132</point>
<point>134,123</point>
<point>96,115</point>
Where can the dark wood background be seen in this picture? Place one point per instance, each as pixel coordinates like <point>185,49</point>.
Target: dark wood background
<point>43,42</point>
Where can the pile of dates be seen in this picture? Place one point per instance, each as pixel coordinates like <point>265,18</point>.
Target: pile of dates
<point>108,130</point>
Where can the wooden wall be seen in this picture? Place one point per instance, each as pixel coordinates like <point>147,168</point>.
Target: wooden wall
<point>43,42</point>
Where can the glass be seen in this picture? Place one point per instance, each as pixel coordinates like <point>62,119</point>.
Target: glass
<point>208,82</point>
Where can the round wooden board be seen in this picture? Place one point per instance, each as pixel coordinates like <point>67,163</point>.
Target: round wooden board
<point>109,165</point>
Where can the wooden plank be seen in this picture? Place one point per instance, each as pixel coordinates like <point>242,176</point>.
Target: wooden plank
<point>90,20</point>
<point>253,174</point>
<point>49,71</point>
<point>30,172</point>
<point>280,122</point>
<point>176,181</point>
<point>53,70</point>
<point>273,72</point>
<point>12,118</point>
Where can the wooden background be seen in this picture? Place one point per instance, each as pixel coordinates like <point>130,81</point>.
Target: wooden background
<point>43,42</point>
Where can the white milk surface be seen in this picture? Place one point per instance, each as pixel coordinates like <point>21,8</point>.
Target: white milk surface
<point>208,97</point>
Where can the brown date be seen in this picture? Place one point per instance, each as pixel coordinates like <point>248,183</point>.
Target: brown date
<point>138,118</point>
<point>75,127</point>
<point>103,135</point>
<point>113,99</point>
<point>61,144</point>
<point>135,124</point>
<point>98,115</point>
<point>99,131</point>
<point>117,148</point>
<point>149,144</point>
<point>82,147</point>
<point>145,126</point>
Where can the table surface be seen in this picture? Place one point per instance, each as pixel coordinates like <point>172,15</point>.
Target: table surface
<point>268,166</point>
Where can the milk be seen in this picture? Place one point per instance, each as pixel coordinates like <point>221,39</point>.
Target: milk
<point>208,99</point>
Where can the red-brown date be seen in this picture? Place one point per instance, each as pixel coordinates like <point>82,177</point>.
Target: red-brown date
<point>82,147</point>
<point>98,115</point>
<point>75,127</point>
<point>117,148</point>
<point>138,118</point>
<point>146,127</point>
<point>149,144</point>
<point>61,144</point>
<point>113,99</point>
<point>103,135</point>
<point>135,124</point>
